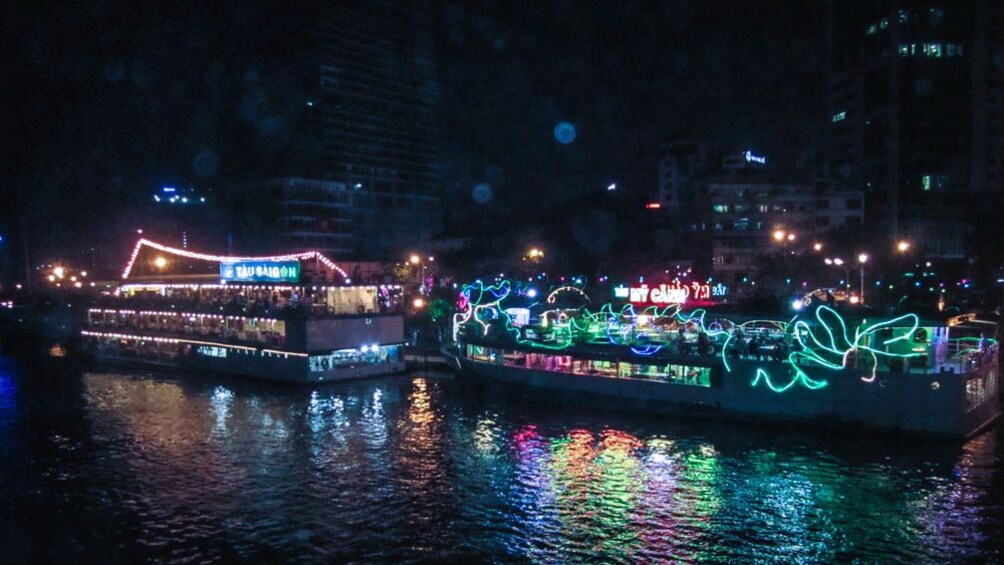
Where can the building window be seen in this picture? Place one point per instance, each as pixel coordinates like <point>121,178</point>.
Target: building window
<point>872,30</point>
<point>884,23</point>
<point>953,50</point>
<point>838,117</point>
<point>904,49</point>
<point>937,13</point>
<point>932,50</point>
<point>823,221</point>
<point>925,182</point>
<point>721,208</point>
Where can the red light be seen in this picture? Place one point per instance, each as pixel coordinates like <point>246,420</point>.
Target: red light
<point>653,205</point>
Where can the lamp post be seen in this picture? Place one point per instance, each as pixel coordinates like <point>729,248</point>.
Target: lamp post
<point>862,258</point>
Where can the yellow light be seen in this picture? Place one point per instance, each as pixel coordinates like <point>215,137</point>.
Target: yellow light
<point>903,246</point>
<point>817,246</point>
<point>78,284</point>
<point>59,272</point>
<point>779,235</point>
<point>83,273</point>
<point>415,259</point>
<point>52,278</point>
<point>160,262</point>
<point>855,300</point>
<point>863,257</point>
<point>418,303</point>
<point>74,279</point>
<point>791,237</point>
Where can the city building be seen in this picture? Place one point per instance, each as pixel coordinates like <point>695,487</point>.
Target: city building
<point>752,214</point>
<point>916,113</point>
<point>378,99</point>
<point>739,208</point>
<point>359,176</point>
<point>679,162</point>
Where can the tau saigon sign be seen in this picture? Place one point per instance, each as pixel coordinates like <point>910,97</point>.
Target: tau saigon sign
<point>260,271</point>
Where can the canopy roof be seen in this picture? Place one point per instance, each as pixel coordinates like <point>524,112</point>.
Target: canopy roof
<point>146,243</point>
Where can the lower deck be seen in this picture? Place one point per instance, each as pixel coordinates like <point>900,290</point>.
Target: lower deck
<point>256,362</point>
<point>946,402</point>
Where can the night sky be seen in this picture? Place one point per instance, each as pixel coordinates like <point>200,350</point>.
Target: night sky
<point>109,101</point>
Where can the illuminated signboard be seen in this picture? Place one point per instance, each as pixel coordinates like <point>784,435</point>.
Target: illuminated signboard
<point>211,351</point>
<point>675,292</point>
<point>260,271</point>
<point>751,158</point>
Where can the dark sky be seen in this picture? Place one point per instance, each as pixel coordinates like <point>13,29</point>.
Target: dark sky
<point>110,100</point>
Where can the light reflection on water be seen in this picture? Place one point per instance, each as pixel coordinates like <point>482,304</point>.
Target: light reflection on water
<point>418,468</point>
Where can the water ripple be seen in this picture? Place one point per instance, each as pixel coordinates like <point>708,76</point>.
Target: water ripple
<point>192,469</point>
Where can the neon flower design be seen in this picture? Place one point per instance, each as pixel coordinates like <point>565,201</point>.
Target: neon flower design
<point>830,346</point>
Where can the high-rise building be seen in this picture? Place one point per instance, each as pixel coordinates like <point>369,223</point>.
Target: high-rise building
<point>379,95</point>
<point>915,113</point>
<point>358,177</point>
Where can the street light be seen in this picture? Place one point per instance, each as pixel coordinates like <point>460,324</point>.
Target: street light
<point>817,246</point>
<point>838,262</point>
<point>862,258</point>
<point>903,246</point>
<point>160,262</point>
<point>779,235</point>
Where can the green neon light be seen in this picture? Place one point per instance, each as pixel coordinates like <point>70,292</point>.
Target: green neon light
<point>828,343</point>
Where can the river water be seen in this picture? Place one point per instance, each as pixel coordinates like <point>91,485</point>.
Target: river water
<point>116,466</point>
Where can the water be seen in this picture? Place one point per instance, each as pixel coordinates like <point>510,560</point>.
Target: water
<point>132,466</point>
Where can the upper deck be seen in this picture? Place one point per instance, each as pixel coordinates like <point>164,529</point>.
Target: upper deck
<point>822,339</point>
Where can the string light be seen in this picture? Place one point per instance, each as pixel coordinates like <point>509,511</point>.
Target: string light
<point>222,259</point>
<point>828,344</point>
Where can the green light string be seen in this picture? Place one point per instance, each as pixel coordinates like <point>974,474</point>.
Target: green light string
<point>827,344</point>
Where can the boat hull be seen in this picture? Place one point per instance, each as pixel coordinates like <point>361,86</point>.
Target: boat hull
<point>929,404</point>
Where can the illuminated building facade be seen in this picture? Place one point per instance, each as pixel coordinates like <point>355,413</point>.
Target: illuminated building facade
<point>751,211</point>
<point>915,113</point>
<point>745,213</point>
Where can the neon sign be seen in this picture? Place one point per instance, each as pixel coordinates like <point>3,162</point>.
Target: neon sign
<point>675,292</point>
<point>260,271</point>
<point>212,351</point>
<point>672,293</point>
<point>751,158</point>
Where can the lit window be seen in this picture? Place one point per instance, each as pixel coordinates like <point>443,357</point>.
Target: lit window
<point>872,30</point>
<point>904,49</point>
<point>932,50</point>
<point>925,181</point>
<point>839,116</point>
<point>904,17</point>
<point>953,50</point>
<point>884,23</point>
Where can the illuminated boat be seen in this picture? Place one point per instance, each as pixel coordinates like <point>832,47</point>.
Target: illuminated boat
<point>937,377</point>
<point>294,318</point>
